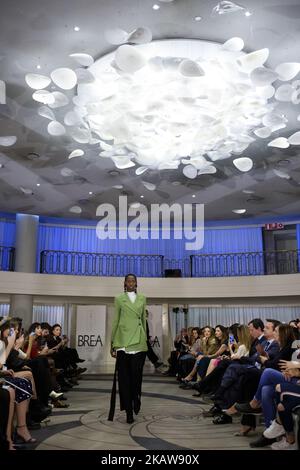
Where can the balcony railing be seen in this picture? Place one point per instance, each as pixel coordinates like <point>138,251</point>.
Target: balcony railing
<point>245,264</point>
<point>208,265</point>
<point>7,258</point>
<point>100,264</point>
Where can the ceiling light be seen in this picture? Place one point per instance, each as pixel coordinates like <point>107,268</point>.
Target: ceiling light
<point>38,184</point>
<point>248,191</point>
<point>248,13</point>
<point>142,196</point>
<point>90,193</point>
<point>76,28</point>
<point>194,195</point>
<point>198,18</point>
<point>239,211</point>
<point>38,67</point>
<point>156,7</point>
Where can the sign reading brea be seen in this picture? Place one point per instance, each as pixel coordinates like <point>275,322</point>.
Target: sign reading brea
<point>90,334</point>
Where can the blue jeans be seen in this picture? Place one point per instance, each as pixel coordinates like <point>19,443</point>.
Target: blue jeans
<point>266,393</point>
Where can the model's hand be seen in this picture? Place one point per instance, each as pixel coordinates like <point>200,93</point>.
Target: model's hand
<point>113,353</point>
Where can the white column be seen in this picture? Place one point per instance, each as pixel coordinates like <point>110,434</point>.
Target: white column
<point>25,262</point>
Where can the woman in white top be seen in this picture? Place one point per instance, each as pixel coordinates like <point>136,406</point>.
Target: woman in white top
<point>242,348</point>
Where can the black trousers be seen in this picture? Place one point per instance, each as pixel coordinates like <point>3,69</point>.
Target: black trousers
<point>4,411</point>
<point>130,376</point>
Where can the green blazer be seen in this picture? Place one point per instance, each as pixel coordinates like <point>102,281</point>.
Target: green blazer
<point>129,324</point>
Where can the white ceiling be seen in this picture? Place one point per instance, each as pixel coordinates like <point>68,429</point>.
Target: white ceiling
<point>36,32</point>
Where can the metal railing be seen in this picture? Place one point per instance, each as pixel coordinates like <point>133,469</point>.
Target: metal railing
<point>100,264</point>
<point>7,258</point>
<point>146,265</point>
<point>245,264</point>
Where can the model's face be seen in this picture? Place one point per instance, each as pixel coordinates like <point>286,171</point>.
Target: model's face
<point>207,333</point>
<point>57,331</point>
<point>130,284</point>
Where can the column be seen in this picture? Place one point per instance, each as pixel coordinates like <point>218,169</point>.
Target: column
<point>25,262</point>
<point>167,334</point>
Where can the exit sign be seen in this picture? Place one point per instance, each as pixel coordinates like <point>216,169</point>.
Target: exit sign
<point>274,226</point>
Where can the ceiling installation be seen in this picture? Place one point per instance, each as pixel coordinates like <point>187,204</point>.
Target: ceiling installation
<point>182,101</point>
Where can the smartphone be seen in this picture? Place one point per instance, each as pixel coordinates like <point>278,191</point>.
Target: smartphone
<point>231,339</point>
<point>11,331</point>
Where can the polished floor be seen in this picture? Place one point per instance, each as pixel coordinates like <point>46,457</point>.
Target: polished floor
<point>170,419</point>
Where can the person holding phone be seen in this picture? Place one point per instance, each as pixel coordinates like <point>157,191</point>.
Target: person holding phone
<point>129,347</point>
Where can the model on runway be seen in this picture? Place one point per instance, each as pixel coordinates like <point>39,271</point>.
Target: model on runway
<point>129,346</point>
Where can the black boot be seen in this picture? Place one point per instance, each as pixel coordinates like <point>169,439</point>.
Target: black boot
<point>137,406</point>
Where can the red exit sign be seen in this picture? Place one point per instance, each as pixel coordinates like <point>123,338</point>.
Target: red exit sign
<point>274,226</point>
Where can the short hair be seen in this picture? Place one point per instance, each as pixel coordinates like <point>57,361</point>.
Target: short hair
<point>274,322</point>
<point>45,326</point>
<point>257,323</point>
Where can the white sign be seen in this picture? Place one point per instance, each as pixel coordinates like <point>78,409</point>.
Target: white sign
<point>90,335</point>
<point>155,328</point>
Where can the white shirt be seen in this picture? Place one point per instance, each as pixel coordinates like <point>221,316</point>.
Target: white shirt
<point>132,297</point>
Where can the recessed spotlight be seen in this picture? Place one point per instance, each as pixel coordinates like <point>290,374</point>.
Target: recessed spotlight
<point>248,13</point>
<point>239,211</point>
<point>76,28</point>
<point>156,7</point>
<point>38,67</point>
<point>90,193</point>
<point>198,18</point>
<point>194,195</point>
<point>142,196</point>
<point>38,184</point>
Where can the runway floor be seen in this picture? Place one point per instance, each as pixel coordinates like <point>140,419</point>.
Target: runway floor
<point>170,419</point>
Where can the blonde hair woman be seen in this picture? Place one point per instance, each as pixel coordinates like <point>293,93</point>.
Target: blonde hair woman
<point>242,348</point>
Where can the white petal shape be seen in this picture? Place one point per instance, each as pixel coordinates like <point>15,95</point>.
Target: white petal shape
<point>287,70</point>
<point>149,186</point>
<point>56,128</point>
<point>168,166</point>
<point>284,93</point>
<point>43,96</point>
<point>116,36</point>
<point>243,164</point>
<point>263,132</point>
<point>141,170</point>
<point>278,126</point>
<point>75,210</point>
<point>135,205</point>
<point>118,186</point>
<point>262,76</point>
<point>2,92</point>
<point>8,141</point>
<point>46,113</point>
<point>280,142</point>
<point>106,146</point>
<point>266,92</point>
<point>227,7</point>
<point>80,135</point>
<point>239,211</point>
<point>26,191</point>
<point>84,76</point>
<point>294,139</point>
<point>270,120</point>
<point>233,45</point>
<point>59,100</point>
<point>64,77</point>
<point>140,36</point>
<point>66,172</point>
<point>190,68</point>
<point>281,174</point>
<point>190,171</point>
<point>72,119</point>
<point>253,60</point>
<point>122,163</point>
<point>129,59</point>
<point>83,59</point>
<point>209,170</point>
<point>76,153</point>
<point>36,81</point>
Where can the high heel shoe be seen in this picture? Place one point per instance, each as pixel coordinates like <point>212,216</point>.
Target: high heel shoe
<point>17,436</point>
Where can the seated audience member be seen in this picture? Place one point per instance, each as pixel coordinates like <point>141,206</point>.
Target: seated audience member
<point>187,360</point>
<point>205,362</point>
<point>64,357</point>
<point>181,346</point>
<point>295,324</point>
<point>5,420</point>
<point>264,397</point>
